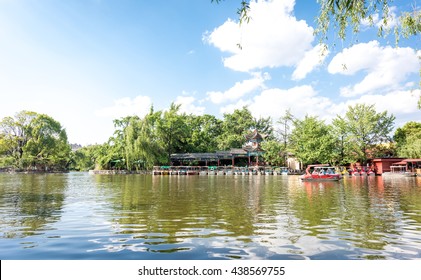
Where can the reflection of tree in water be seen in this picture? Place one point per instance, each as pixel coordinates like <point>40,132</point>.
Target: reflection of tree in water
<point>408,191</point>
<point>312,203</point>
<point>177,208</point>
<point>356,210</point>
<point>31,201</point>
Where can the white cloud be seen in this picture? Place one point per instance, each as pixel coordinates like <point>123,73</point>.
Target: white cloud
<point>187,106</point>
<point>229,109</point>
<point>272,38</point>
<point>301,100</point>
<point>398,102</point>
<point>240,89</point>
<point>126,106</point>
<point>309,62</point>
<point>385,67</point>
<point>225,37</point>
<point>274,102</point>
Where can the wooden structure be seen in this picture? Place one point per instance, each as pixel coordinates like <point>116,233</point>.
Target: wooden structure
<point>253,147</point>
<point>411,167</point>
<point>219,158</point>
<point>249,154</point>
<point>382,165</point>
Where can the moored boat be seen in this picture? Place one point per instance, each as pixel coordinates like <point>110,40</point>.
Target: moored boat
<point>220,171</point>
<point>244,171</point>
<point>212,170</point>
<point>203,170</point>
<point>268,171</point>
<point>156,171</point>
<point>284,170</point>
<point>237,171</point>
<point>320,172</point>
<point>229,170</point>
<point>192,170</point>
<point>182,170</point>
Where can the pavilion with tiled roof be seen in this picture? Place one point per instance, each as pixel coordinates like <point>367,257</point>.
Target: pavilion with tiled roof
<point>251,151</point>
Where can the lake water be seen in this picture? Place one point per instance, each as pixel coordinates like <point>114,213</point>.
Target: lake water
<point>82,216</point>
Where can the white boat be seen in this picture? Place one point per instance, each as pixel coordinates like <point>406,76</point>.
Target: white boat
<point>237,171</point>
<point>203,170</point>
<point>245,171</point>
<point>220,171</point>
<point>268,171</point>
<point>284,170</point>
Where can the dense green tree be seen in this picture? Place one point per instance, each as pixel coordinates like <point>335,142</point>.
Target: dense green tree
<point>412,149</point>
<point>234,127</point>
<point>365,129</point>
<point>401,134</point>
<point>408,140</point>
<point>47,146</point>
<point>204,133</point>
<point>103,156</point>
<point>15,133</point>
<point>143,143</point>
<point>83,159</point>
<point>34,140</point>
<point>172,131</point>
<point>264,126</point>
<point>274,152</point>
<point>311,141</point>
<point>340,132</point>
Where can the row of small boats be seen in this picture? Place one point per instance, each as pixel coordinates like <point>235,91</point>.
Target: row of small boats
<point>313,172</point>
<point>324,172</point>
<point>218,170</point>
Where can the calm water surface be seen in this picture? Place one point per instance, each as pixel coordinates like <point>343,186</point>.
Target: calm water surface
<point>82,216</point>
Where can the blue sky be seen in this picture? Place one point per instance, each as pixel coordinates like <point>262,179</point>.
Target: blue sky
<point>87,62</point>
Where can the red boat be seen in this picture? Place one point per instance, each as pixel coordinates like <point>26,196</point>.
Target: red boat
<point>320,172</point>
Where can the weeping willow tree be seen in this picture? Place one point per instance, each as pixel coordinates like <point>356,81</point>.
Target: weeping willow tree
<point>345,16</point>
<point>142,149</point>
<point>342,15</point>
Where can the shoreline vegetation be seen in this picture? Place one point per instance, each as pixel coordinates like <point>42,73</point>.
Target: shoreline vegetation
<point>36,143</point>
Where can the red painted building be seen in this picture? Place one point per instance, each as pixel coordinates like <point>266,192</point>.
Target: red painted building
<point>382,165</point>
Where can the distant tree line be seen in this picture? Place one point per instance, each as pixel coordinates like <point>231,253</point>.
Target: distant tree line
<point>36,141</point>
<point>141,143</point>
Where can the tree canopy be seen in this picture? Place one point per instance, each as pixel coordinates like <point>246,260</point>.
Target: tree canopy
<point>32,140</point>
<point>36,141</point>
<point>311,141</point>
<point>408,140</point>
<point>362,128</point>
